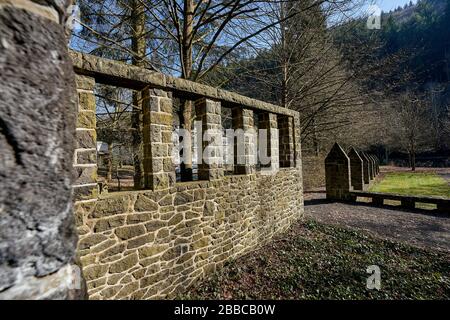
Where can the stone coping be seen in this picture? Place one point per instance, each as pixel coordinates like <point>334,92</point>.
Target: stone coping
<point>117,73</point>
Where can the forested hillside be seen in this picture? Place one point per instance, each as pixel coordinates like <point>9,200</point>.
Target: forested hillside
<point>386,89</point>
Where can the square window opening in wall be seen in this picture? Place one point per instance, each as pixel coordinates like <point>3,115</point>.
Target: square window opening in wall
<point>267,144</point>
<point>186,145</point>
<point>119,138</point>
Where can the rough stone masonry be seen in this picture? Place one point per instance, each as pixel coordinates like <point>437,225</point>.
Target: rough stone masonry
<point>156,243</point>
<point>37,124</point>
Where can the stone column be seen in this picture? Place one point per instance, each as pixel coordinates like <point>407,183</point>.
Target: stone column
<point>369,161</point>
<point>37,129</point>
<point>372,166</point>
<point>377,165</point>
<point>337,174</point>
<point>286,141</point>
<point>159,170</point>
<point>366,167</point>
<point>268,122</point>
<point>356,169</point>
<point>243,122</point>
<point>297,143</point>
<point>85,186</point>
<point>209,157</point>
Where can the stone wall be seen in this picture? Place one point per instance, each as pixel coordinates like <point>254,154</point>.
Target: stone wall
<point>37,125</point>
<point>149,245</point>
<point>157,243</point>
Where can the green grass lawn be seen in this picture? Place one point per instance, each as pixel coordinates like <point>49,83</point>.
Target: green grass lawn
<point>420,184</point>
<point>317,261</point>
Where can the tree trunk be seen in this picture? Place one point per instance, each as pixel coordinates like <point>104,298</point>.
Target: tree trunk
<point>413,159</point>
<point>139,48</point>
<point>284,59</point>
<point>186,112</point>
<point>409,159</point>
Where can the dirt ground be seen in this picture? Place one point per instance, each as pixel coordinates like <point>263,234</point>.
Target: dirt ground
<point>416,227</point>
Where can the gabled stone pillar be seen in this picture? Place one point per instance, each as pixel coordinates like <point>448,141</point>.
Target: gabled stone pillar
<point>337,174</point>
<point>377,165</point>
<point>286,141</point>
<point>159,171</point>
<point>297,143</point>
<point>210,157</point>
<point>371,170</point>
<point>372,166</point>
<point>243,124</point>
<point>269,122</point>
<point>356,167</point>
<point>366,167</point>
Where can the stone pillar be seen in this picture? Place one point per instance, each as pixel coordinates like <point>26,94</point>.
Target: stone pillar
<point>337,174</point>
<point>209,157</point>
<point>286,141</point>
<point>377,164</point>
<point>85,186</point>
<point>37,129</point>
<point>269,122</point>
<point>366,167</point>
<point>371,172</point>
<point>356,170</point>
<point>372,166</point>
<point>243,122</point>
<point>297,143</point>
<point>159,170</point>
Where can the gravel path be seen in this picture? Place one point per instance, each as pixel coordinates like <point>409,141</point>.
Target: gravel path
<point>418,228</point>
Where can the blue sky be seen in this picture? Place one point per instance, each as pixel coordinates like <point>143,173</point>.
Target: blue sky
<point>388,5</point>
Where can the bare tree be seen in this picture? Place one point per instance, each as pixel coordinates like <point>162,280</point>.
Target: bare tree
<point>410,125</point>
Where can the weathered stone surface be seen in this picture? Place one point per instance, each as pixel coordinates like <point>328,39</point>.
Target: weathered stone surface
<point>109,223</point>
<point>182,198</point>
<point>124,264</point>
<point>139,242</point>
<point>144,204</point>
<point>109,207</point>
<point>86,156</point>
<point>85,175</point>
<point>95,272</point>
<point>152,250</point>
<point>129,232</point>
<point>86,139</point>
<point>91,240</point>
<point>37,125</point>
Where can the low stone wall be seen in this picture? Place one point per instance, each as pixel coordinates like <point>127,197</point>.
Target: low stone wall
<point>156,244</point>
